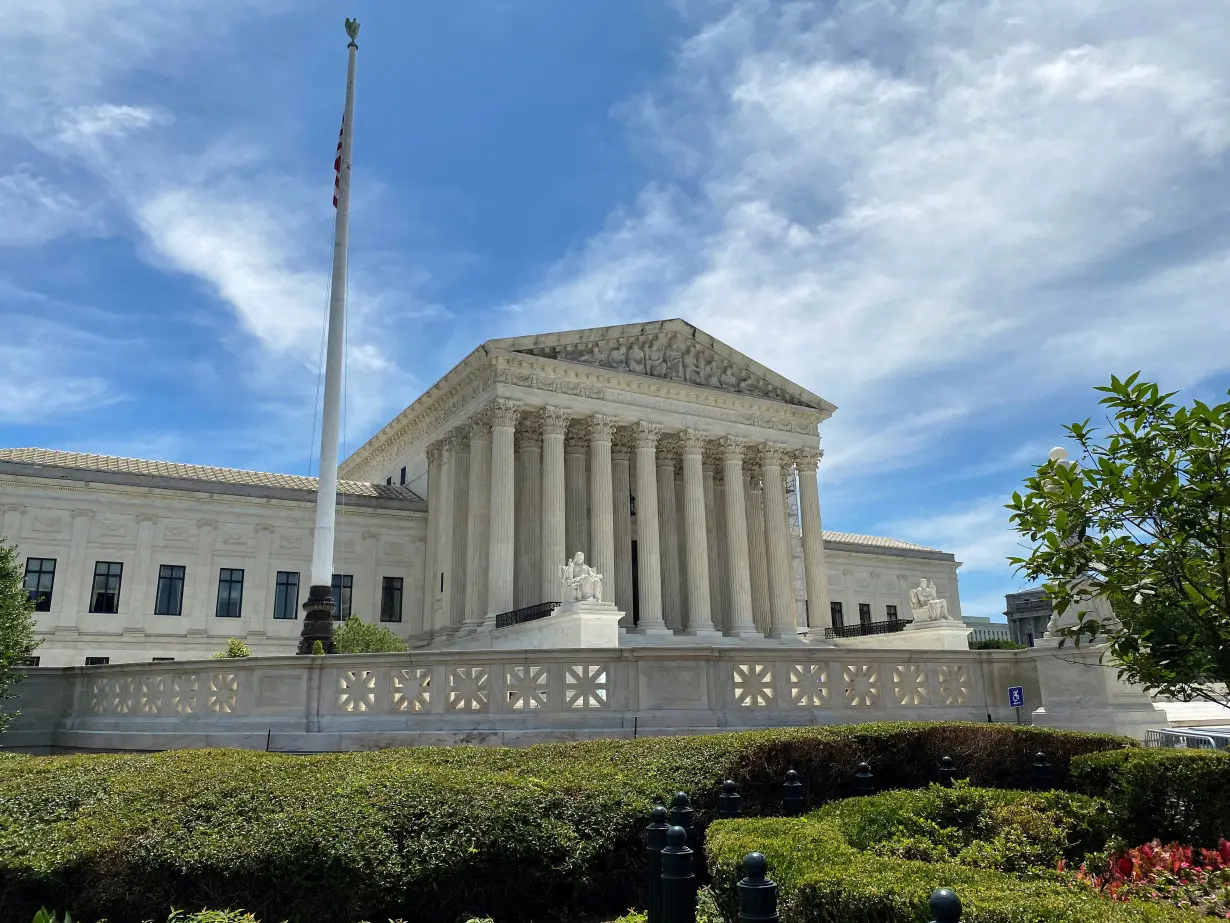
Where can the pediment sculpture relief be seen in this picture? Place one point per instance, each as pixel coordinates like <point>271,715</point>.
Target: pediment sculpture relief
<point>670,357</point>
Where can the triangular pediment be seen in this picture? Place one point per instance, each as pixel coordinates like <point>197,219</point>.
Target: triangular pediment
<point>673,350</point>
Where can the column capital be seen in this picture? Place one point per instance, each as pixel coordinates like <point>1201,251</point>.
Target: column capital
<point>693,441</point>
<point>435,453</point>
<point>576,438</point>
<point>732,448</point>
<point>808,460</point>
<point>600,427</point>
<point>669,454</point>
<point>529,430</point>
<point>646,435</point>
<point>461,438</point>
<point>554,421</point>
<point>146,517</point>
<point>773,455</point>
<point>504,412</point>
<point>480,427</point>
<point>709,466</point>
<point>623,443</point>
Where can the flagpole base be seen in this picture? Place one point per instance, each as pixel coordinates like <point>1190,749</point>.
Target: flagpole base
<point>318,613</point>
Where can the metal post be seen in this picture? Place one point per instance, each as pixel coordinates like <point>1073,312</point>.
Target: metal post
<point>655,837</point>
<point>948,771</point>
<point>757,893</point>
<point>793,802</point>
<point>864,781</point>
<point>678,880</point>
<point>682,815</point>
<point>1041,771</point>
<point>945,906</point>
<point>728,801</point>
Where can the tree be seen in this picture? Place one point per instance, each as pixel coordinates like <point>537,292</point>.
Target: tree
<point>234,650</point>
<point>358,637</point>
<point>1134,538</point>
<point>17,640</point>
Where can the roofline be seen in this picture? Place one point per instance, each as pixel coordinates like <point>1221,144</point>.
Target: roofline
<point>163,482</point>
<point>922,554</point>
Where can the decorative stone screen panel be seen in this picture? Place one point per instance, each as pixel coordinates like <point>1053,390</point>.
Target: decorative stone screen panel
<point>526,687</point>
<point>861,685</point>
<point>411,689</point>
<point>809,685</point>
<point>468,689</point>
<point>587,686</point>
<point>356,691</point>
<point>754,685</point>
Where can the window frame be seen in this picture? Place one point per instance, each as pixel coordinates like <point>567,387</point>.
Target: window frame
<point>230,582</point>
<point>279,597</point>
<point>837,614</point>
<point>864,614</point>
<point>890,611</point>
<point>403,476</point>
<point>170,579</point>
<point>43,604</point>
<point>342,590</point>
<point>95,592</point>
<point>97,661</point>
<point>391,587</point>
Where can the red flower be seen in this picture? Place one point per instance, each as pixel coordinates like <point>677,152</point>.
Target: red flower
<point>1124,866</point>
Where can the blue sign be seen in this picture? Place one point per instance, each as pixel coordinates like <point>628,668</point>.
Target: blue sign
<point>1016,696</point>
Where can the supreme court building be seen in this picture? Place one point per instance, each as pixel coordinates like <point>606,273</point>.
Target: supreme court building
<point>682,469</point>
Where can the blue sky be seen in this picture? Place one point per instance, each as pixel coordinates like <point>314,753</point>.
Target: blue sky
<point>951,218</point>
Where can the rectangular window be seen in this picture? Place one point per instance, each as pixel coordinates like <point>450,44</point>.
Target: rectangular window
<point>30,662</point>
<point>390,600</point>
<point>892,613</point>
<point>835,612</point>
<point>403,474</point>
<point>286,596</point>
<point>342,586</point>
<point>106,595</point>
<point>163,659</point>
<point>40,575</point>
<point>230,593</point>
<point>864,613</point>
<point>169,600</point>
<point>97,661</point>
<point>389,481</point>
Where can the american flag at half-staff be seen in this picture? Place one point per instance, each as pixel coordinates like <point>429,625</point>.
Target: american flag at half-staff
<point>337,163</point>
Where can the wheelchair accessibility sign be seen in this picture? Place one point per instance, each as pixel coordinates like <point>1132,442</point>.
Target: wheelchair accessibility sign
<point>1016,696</point>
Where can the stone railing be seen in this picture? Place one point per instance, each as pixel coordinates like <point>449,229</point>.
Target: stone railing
<point>304,704</point>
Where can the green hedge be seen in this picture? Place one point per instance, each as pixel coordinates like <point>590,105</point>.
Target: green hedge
<point>1170,795</point>
<point>430,833</point>
<point>823,878</point>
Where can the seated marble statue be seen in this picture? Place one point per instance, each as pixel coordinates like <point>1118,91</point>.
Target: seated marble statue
<point>926,604</point>
<point>580,581</point>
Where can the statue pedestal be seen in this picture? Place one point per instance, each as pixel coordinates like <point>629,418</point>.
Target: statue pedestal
<point>583,624</point>
<point>945,635</point>
<point>1081,693</point>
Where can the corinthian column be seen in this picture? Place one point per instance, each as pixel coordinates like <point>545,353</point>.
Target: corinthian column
<point>459,576</point>
<point>444,537</point>
<point>576,523</point>
<point>815,569</point>
<point>700,615</point>
<point>431,577</point>
<point>708,468</point>
<point>648,549</point>
<point>554,551</point>
<point>777,541</point>
<point>478,523</point>
<point>602,513</point>
<point>503,526</point>
<point>529,511</point>
<point>758,560</point>
<point>740,623</point>
<point>621,490</point>
<point>672,584</point>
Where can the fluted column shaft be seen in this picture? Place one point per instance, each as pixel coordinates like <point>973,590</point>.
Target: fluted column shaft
<point>478,535</point>
<point>721,608</point>
<point>431,579</point>
<point>757,553</point>
<point>707,471</point>
<point>576,530</point>
<point>503,525</point>
<point>621,493</point>
<point>602,512</point>
<point>700,613</point>
<point>739,584</point>
<point>529,512</point>
<point>648,547</point>
<point>815,568</point>
<point>777,544</point>
<point>444,537</point>
<point>554,550</point>
<point>672,584</point>
<point>461,531</point>
<point>681,537</point>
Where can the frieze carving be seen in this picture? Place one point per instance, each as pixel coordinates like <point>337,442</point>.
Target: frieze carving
<point>670,357</point>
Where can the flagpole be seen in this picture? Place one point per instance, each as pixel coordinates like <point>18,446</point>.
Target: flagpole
<point>320,606</point>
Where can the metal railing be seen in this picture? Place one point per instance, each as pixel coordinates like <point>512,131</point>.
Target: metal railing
<point>1171,737</point>
<point>524,614</point>
<point>871,628</point>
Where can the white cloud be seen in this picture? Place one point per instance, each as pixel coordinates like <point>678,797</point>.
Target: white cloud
<point>33,209</point>
<point>38,382</point>
<point>978,534</point>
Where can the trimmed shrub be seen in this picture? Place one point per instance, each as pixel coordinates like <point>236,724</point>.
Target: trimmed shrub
<point>355,636</point>
<point>234,650</point>
<point>825,879</point>
<point>1164,794</point>
<point>445,831</point>
<point>996,644</point>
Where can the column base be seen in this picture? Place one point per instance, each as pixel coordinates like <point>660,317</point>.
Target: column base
<point>652,631</point>
<point>701,633</point>
<point>318,613</point>
<point>745,634</point>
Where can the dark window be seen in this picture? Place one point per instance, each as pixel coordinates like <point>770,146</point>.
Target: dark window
<point>390,600</point>
<point>169,600</point>
<point>40,575</point>
<point>30,662</point>
<point>163,659</point>
<point>1030,636</point>
<point>389,480</point>
<point>342,585</point>
<point>106,595</point>
<point>230,593</point>
<point>286,596</point>
<point>864,613</point>
<point>403,474</point>
<point>892,613</point>
<point>835,612</point>
<point>97,661</point>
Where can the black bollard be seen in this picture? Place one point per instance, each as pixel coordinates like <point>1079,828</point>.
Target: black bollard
<point>682,815</point>
<point>864,781</point>
<point>728,801</point>
<point>655,837</point>
<point>678,881</point>
<point>948,771</point>
<point>757,893</point>
<point>945,906</point>
<point>1041,771</point>
<point>793,802</point>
